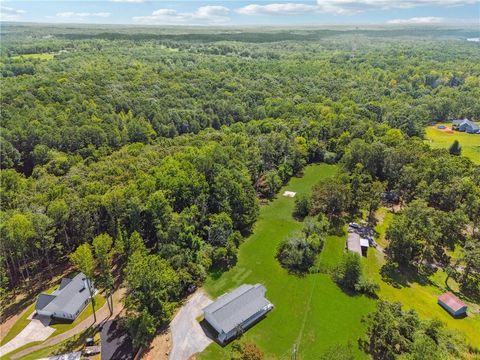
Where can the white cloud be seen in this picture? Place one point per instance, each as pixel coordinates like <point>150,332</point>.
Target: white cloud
<point>129,1</point>
<point>417,20</point>
<point>356,6</point>
<point>211,14</point>
<point>10,14</point>
<point>72,16</point>
<point>277,9</point>
<point>344,6</point>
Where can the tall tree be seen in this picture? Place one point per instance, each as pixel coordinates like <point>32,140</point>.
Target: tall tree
<point>83,259</point>
<point>455,148</point>
<point>102,246</point>
<point>152,289</point>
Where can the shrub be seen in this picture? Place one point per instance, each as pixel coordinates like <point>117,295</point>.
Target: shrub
<point>319,226</point>
<point>367,286</point>
<point>348,272</point>
<point>297,254</point>
<point>349,275</point>
<point>302,206</point>
<point>330,157</point>
<point>246,351</point>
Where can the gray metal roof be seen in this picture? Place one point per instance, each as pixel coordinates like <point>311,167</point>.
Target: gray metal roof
<point>353,243</point>
<point>43,300</point>
<point>233,308</point>
<point>69,297</point>
<point>470,123</point>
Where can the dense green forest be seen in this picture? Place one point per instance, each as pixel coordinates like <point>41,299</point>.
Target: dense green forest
<point>168,140</point>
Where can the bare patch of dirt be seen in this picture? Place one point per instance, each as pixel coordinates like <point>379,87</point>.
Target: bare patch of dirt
<point>159,348</point>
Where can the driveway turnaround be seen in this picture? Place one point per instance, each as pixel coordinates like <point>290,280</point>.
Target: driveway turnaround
<point>188,337</point>
<point>34,331</point>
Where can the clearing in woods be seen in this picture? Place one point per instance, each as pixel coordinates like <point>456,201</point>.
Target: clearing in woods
<point>311,312</point>
<point>444,138</point>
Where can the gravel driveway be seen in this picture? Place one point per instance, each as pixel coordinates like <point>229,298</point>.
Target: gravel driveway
<point>188,337</point>
<point>36,330</point>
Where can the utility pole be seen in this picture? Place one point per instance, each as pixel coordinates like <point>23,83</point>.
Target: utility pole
<point>294,352</point>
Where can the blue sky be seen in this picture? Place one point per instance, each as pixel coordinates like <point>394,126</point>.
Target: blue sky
<point>254,12</point>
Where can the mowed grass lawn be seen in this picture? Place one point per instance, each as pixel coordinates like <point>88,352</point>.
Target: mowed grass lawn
<point>310,311</point>
<point>422,297</point>
<point>470,143</point>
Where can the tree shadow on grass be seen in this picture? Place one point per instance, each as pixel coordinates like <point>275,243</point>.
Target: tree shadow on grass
<point>354,293</point>
<point>216,272</point>
<point>403,277</point>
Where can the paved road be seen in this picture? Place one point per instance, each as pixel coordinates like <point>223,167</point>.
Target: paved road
<point>116,343</point>
<point>36,330</point>
<point>188,337</point>
<point>102,315</point>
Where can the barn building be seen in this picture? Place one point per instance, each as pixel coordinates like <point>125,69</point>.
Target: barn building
<point>452,304</point>
<point>357,244</point>
<point>236,311</point>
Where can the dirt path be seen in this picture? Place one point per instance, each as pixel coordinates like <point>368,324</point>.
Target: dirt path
<point>102,314</point>
<point>159,348</point>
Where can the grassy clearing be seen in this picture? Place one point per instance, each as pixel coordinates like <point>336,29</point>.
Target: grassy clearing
<point>41,56</point>
<point>310,311</point>
<point>422,296</point>
<point>443,139</point>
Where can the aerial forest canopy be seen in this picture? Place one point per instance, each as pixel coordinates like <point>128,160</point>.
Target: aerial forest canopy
<point>166,140</point>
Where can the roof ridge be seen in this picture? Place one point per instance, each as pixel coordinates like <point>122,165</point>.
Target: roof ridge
<point>253,287</point>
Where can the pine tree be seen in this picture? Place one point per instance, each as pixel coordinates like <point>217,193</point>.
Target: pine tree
<point>455,149</point>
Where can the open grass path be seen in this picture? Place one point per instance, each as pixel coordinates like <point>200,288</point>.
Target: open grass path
<point>103,314</point>
<point>311,313</point>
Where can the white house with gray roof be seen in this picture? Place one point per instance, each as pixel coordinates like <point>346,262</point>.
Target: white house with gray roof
<point>68,301</point>
<point>465,125</point>
<point>234,312</point>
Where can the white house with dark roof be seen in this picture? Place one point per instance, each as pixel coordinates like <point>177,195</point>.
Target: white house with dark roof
<point>234,312</point>
<point>68,301</point>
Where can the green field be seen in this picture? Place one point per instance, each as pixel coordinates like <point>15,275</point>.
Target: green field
<point>311,311</point>
<point>422,297</point>
<point>443,139</point>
